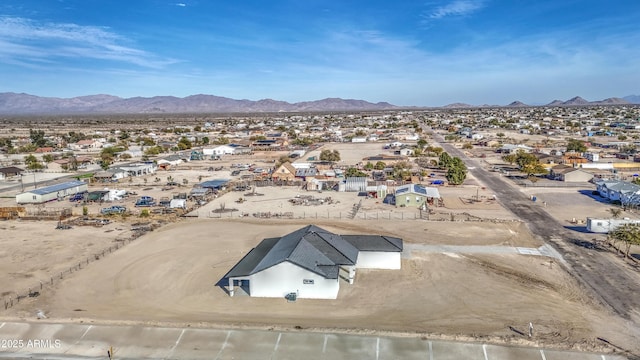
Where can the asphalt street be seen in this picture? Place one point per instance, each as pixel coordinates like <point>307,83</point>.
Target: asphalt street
<point>611,281</point>
<point>85,341</point>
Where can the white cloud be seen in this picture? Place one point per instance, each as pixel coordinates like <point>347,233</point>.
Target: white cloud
<point>181,4</point>
<point>31,41</point>
<point>456,8</point>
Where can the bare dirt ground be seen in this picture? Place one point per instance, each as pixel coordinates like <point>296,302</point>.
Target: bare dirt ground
<point>169,275</point>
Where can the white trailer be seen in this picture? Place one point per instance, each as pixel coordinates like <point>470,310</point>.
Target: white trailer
<point>604,226</point>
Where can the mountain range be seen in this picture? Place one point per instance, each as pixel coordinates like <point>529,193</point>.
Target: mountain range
<point>24,104</point>
<point>12,103</point>
<point>575,101</point>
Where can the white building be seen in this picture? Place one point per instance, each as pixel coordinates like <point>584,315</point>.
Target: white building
<point>310,262</point>
<point>219,150</point>
<point>604,226</point>
<point>50,193</point>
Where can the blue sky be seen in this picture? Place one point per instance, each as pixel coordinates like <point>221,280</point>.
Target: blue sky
<point>421,53</point>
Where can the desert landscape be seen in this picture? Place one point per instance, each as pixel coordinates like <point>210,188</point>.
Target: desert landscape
<point>171,275</point>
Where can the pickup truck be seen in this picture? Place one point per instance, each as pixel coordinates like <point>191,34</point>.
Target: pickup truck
<point>115,209</point>
<point>145,201</point>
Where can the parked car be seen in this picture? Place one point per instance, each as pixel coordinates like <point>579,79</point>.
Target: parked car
<point>115,209</point>
<point>77,196</point>
<point>145,201</point>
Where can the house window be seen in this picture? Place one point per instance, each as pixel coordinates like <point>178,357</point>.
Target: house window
<point>35,198</point>
<point>307,281</point>
<point>599,223</point>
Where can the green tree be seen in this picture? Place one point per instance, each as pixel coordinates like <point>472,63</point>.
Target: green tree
<point>105,163</point>
<point>37,137</point>
<point>615,212</point>
<point>154,150</point>
<point>576,145</point>
<point>47,158</point>
<point>330,155</point>
<point>354,172</point>
<point>421,143</point>
<point>380,165</point>
<point>444,160</point>
<point>456,172</point>
<point>511,158</point>
<point>629,234</point>
<point>368,166</point>
<point>184,143</point>
<point>32,162</point>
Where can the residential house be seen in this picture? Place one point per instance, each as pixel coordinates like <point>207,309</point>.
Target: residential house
<point>284,172</point>
<point>512,149</point>
<point>616,190</point>
<point>309,263</point>
<point>415,195</point>
<point>569,174</point>
<point>44,150</point>
<point>88,144</point>
<point>10,172</point>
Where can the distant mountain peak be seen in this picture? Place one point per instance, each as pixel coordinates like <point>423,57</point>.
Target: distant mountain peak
<point>11,103</point>
<point>576,101</point>
<point>457,105</point>
<point>517,104</point>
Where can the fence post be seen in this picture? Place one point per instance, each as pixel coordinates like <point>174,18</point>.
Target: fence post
<point>40,285</point>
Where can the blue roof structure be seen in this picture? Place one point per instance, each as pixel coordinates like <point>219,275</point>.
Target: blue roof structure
<point>57,187</point>
<point>214,184</point>
<point>418,189</point>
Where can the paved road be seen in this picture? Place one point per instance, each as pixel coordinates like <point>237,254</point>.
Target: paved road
<point>612,282</point>
<point>82,341</point>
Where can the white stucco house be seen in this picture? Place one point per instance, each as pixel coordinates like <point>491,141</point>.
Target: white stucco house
<point>310,262</point>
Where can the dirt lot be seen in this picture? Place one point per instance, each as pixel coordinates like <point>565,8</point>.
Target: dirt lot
<point>170,274</point>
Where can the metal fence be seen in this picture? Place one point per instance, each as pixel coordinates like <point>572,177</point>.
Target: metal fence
<point>14,297</point>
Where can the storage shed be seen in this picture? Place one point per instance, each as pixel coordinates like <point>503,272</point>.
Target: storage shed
<point>50,193</point>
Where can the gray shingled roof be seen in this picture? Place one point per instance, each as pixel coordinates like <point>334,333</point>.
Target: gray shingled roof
<point>374,242</point>
<point>310,247</point>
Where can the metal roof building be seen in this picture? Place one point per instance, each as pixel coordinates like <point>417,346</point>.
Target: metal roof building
<point>50,193</point>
